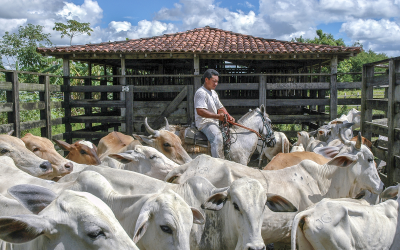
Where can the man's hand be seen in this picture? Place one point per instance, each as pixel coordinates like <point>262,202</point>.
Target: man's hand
<point>221,116</point>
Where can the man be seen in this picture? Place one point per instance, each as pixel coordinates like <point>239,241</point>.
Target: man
<point>209,111</point>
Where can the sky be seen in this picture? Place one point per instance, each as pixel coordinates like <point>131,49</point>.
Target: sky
<point>373,23</point>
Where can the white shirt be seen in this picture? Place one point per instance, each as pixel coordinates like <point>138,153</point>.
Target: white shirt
<point>208,100</point>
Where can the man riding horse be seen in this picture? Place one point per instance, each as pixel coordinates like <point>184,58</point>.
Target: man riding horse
<point>209,111</point>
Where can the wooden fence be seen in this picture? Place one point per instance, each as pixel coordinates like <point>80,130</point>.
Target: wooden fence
<point>387,146</point>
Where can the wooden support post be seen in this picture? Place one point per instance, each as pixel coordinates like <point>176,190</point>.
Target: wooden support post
<point>45,114</point>
<point>103,95</point>
<point>122,94</point>
<point>197,77</point>
<point>366,93</point>
<point>321,94</point>
<point>13,97</point>
<point>88,96</point>
<point>262,91</point>
<point>393,171</point>
<point>190,104</point>
<point>67,99</point>
<point>334,95</point>
<point>115,94</point>
<point>129,110</point>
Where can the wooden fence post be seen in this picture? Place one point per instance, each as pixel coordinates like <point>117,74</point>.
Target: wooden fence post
<point>262,91</point>
<point>88,95</point>
<point>122,95</point>
<point>13,97</point>
<point>67,99</point>
<point>45,114</point>
<point>366,93</point>
<point>190,104</point>
<point>334,95</point>
<point>129,109</point>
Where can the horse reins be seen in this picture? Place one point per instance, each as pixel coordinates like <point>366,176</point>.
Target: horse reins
<point>252,130</point>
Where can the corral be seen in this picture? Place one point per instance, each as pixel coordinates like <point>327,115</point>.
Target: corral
<point>156,77</point>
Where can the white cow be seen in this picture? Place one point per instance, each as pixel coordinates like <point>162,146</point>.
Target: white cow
<point>165,203</point>
<point>73,220</point>
<point>142,159</point>
<point>24,159</point>
<point>346,224</point>
<point>298,148</point>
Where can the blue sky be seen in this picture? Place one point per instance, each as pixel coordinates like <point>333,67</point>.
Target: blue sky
<point>374,23</point>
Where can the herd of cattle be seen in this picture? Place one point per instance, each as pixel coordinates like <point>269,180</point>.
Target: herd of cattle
<point>324,194</point>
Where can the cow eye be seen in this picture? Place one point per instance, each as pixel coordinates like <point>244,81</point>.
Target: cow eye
<point>236,206</point>
<point>83,152</point>
<point>167,144</point>
<point>153,156</point>
<point>3,151</point>
<point>95,234</point>
<point>35,149</point>
<point>166,229</point>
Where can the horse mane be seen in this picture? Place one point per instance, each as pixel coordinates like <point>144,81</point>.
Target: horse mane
<point>247,115</point>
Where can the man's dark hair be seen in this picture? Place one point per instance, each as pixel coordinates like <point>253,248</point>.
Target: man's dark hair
<point>210,73</point>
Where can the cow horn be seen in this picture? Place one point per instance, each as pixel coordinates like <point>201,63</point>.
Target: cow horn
<point>342,138</point>
<point>148,129</point>
<point>166,124</point>
<point>359,141</point>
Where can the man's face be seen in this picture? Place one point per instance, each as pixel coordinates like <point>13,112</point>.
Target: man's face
<point>211,83</point>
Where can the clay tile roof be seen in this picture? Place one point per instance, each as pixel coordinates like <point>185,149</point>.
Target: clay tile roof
<point>203,40</point>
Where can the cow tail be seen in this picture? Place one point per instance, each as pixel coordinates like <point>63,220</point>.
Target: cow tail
<point>295,225</point>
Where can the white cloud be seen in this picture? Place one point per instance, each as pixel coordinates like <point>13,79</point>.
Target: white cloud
<point>10,24</point>
<point>88,12</point>
<point>151,28</point>
<point>120,26</point>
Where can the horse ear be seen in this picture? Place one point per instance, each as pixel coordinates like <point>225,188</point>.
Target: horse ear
<point>262,108</point>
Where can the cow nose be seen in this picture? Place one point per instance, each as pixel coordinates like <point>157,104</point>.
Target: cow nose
<point>46,166</point>
<point>256,248</point>
<point>69,166</point>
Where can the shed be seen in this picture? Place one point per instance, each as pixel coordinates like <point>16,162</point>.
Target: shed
<point>156,77</point>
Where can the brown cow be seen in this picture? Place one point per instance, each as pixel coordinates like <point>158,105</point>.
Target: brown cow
<point>283,160</point>
<point>44,148</point>
<point>166,142</point>
<point>114,143</point>
<point>364,141</point>
<point>82,152</point>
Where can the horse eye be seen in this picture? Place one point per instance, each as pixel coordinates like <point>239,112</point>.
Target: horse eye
<point>96,234</point>
<point>83,152</point>
<point>3,151</point>
<point>370,160</point>
<point>167,144</point>
<point>166,229</point>
<point>236,206</point>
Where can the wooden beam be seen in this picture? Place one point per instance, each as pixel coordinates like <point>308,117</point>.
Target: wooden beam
<point>333,95</point>
<point>170,108</point>
<point>45,114</point>
<point>67,98</point>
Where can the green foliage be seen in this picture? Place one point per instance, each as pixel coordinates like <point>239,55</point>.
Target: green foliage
<point>323,38</point>
<point>19,49</point>
<point>73,28</point>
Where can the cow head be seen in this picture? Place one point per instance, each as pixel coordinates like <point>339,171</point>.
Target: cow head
<point>166,142</point>
<point>363,170</point>
<point>82,152</point>
<point>168,220</point>
<point>72,220</point>
<point>24,159</point>
<point>146,160</point>
<point>44,148</point>
<point>245,202</point>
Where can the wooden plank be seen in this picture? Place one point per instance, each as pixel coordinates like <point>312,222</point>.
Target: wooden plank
<point>262,91</point>
<point>6,107</point>
<point>97,119</point>
<point>45,114</point>
<point>190,104</point>
<point>129,111</point>
<point>333,89</point>
<point>366,93</point>
<point>31,87</point>
<point>56,105</point>
<point>7,86</point>
<point>380,80</point>
<point>108,88</point>
<point>58,121</point>
<point>171,107</point>
<point>13,96</point>
<point>377,104</point>
<point>382,121</point>
<point>156,104</point>
<point>237,86</point>
<point>97,103</point>
<point>294,119</point>
<point>5,128</point>
<point>159,88</point>
<point>88,134</point>
<point>380,152</point>
<point>375,128</point>
<point>349,85</point>
<point>298,86</point>
<point>296,102</point>
<point>33,124</point>
<point>349,101</point>
<point>240,102</point>
<point>32,105</point>
<point>67,99</point>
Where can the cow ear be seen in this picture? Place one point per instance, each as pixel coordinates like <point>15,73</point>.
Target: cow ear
<point>277,203</point>
<point>142,224</point>
<point>344,160</point>
<point>198,217</point>
<point>24,228</point>
<point>390,192</point>
<point>63,145</point>
<point>262,108</point>
<point>34,198</point>
<point>127,156</point>
<point>328,152</point>
<point>10,132</point>
<point>216,201</point>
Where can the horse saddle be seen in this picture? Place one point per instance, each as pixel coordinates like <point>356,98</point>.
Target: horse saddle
<point>195,137</point>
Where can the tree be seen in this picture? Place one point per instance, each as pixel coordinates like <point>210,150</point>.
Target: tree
<point>19,49</point>
<point>323,38</point>
<point>73,28</point>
